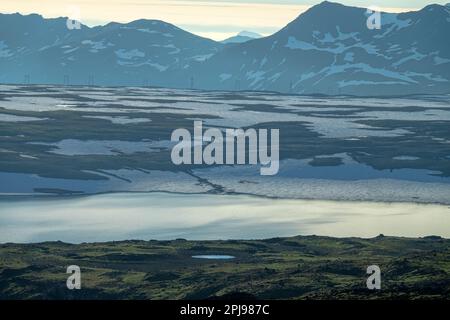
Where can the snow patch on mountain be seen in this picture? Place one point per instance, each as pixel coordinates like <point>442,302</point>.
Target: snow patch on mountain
<point>256,76</point>
<point>414,56</point>
<point>393,22</point>
<point>225,76</point>
<point>96,46</point>
<point>154,65</point>
<point>129,54</point>
<point>69,49</point>
<point>341,36</point>
<point>344,83</point>
<point>146,30</point>
<point>349,57</point>
<point>202,57</point>
<point>4,52</point>
<point>438,60</point>
<point>295,44</point>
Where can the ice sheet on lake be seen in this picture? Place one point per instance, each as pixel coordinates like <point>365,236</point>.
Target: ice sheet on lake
<point>124,180</point>
<point>296,180</point>
<point>72,147</point>
<point>232,113</point>
<point>333,117</point>
<point>14,118</point>
<point>120,119</point>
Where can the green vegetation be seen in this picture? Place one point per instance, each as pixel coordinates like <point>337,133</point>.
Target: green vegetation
<point>282,268</point>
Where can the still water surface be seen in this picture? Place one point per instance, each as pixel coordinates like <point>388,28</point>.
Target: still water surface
<point>164,216</point>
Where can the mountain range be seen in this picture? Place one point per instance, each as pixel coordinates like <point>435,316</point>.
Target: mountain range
<point>328,49</point>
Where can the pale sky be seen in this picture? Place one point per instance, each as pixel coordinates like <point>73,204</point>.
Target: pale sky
<point>213,19</point>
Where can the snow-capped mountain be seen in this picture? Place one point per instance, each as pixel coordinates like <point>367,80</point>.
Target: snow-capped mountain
<point>140,52</point>
<point>327,49</point>
<point>242,37</point>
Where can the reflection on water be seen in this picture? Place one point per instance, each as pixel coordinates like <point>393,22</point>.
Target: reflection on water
<point>214,257</point>
<point>164,216</point>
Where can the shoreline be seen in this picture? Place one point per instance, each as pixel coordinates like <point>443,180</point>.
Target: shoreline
<point>53,196</point>
<point>149,241</point>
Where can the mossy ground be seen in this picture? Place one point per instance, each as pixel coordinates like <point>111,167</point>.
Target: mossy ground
<point>282,268</point>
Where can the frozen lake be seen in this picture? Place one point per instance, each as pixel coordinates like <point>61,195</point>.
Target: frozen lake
<point>164,216</point>
<point>89,140</point>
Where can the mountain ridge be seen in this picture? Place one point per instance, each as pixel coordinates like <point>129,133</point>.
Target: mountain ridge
<point>327,49</point>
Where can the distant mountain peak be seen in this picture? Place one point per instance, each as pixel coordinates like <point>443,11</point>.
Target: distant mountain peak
<point>249,34</point>
<point>242,37</point>
<point>328,3</point>
<point>150,23</point>
<point>435,6</point>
